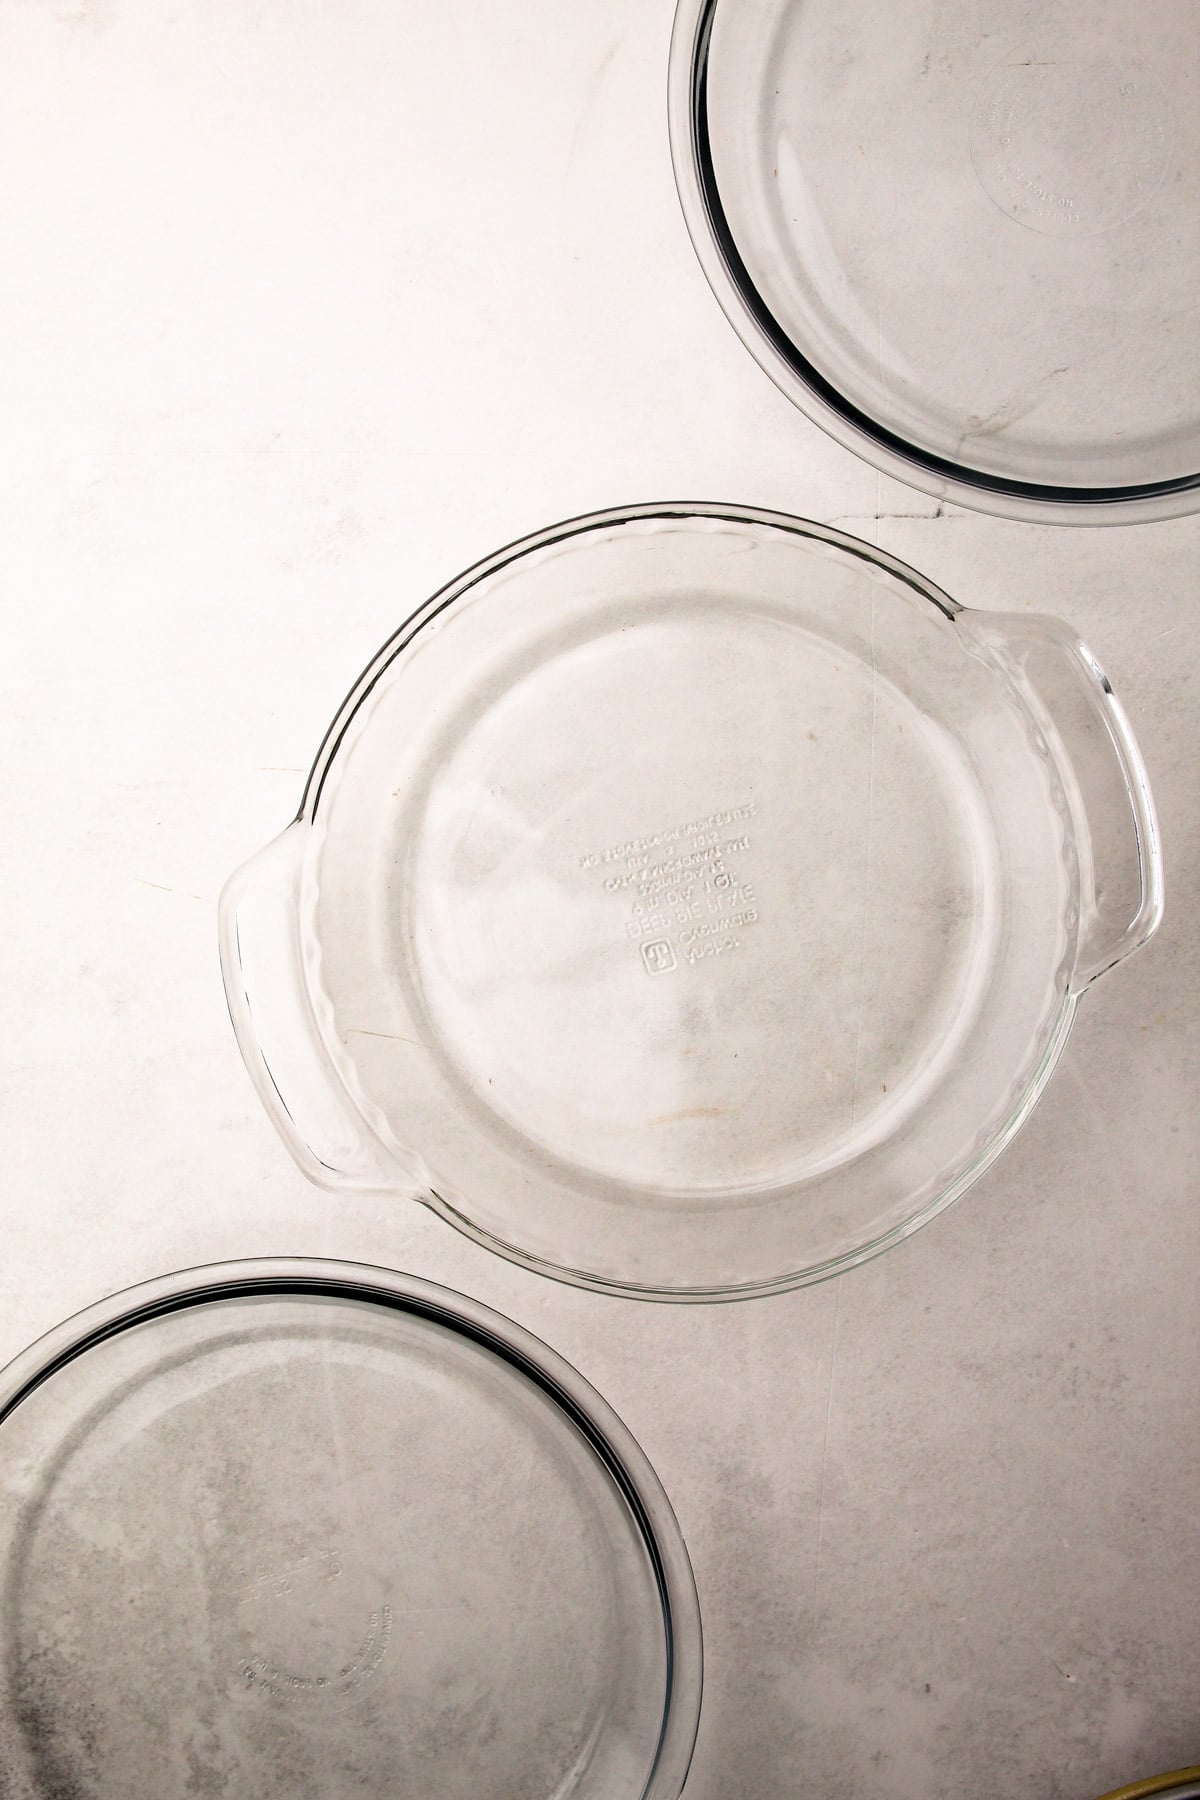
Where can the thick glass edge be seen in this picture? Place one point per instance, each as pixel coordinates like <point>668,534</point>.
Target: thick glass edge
<point>610,1439</point>
<point>580,526</point>
<point>796,1278</point>
<point>772,348</point>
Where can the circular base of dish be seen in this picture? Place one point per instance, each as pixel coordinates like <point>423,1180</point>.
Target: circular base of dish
<point>697,902</point>
<point>314,1537</point>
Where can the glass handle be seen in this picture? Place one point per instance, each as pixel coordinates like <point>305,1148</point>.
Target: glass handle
<point>262,962</point>
<point>1102,947</point>
<point>1103,772</point>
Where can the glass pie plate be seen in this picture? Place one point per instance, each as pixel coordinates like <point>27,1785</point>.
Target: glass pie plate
<point>316,1531</point>
<point>690,901</point>
<point>963,237</point>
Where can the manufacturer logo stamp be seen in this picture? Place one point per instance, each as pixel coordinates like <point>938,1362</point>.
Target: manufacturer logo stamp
<point>658,956</point>
<point>305,1630</point>
<point>1071,145</point>
<point>682,888</point>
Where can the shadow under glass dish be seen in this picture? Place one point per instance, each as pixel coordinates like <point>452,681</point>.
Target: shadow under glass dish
<point>315,1531</point>
<point>965,239</point>
<point>690,901</point>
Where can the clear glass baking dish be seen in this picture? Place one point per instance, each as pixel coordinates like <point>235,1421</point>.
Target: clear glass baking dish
<point>690,901</point>
<point>311,1531</point>
<point>963,238</point>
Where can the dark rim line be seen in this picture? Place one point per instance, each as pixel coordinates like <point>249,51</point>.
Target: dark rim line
<point>805,372</point>
<point>331,1287</point>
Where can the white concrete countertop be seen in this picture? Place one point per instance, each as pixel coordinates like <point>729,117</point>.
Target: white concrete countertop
<point>306,305</point>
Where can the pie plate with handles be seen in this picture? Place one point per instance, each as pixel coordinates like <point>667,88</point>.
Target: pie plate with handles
<point>690,901</point>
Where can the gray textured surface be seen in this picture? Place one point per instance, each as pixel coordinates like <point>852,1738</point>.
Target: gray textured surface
<point>305,308</point>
